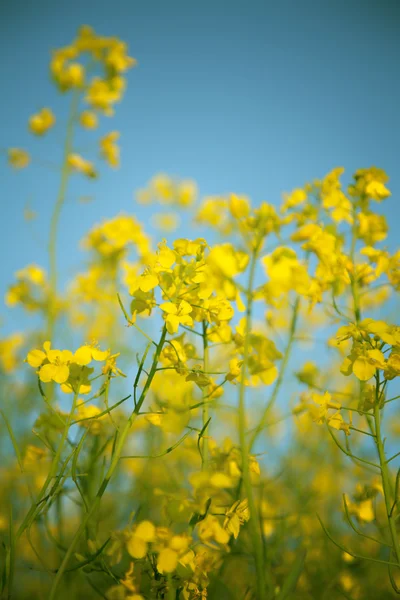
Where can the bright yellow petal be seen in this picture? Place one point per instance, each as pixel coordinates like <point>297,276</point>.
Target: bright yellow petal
<point>167,561</point>
<point>54,355</point>
<point>35,358</point>
<point>169,308</point>
<point>146,531</point>
<point>47,372</point>
<point>61,373</point>
<point>83,355</point>
<point>185,308</point>
<point>100,354</point>
<point>136,547</point>
<point>147,282</point>
<point>172,323</point>
<point>363,369</point>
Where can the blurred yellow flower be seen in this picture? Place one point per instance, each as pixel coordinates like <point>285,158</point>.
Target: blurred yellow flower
<point>42,121</point>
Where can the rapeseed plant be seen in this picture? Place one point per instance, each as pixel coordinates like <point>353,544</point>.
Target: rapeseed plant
<point>170,478</point>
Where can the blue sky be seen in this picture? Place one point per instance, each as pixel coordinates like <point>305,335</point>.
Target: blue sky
<point>251,97</point>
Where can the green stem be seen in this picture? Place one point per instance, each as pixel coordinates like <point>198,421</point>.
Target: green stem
<point>386,483</point>
<point>281,376</point>
<point>377,430</point>
<point>205,416</point>
<point>121,438</point>
<point>255,532</point>
<point>353,282</point>
<point>55,218</point>
<point>37,506</point>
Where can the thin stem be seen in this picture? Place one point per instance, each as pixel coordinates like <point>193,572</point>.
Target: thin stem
<point>36,507</point>
<point>205,413</point>
<point>278,383</point>
<point>386,484</point>
<point>55,218</point>
<point>254,522</point>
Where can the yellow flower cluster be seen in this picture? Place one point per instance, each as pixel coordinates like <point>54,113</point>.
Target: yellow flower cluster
<point>30,290</point>
<point>112,238</point>
<point>66,368</point>
<point>9,351</point>
<point>323,409</point>
<point>369,339</point>
<point>166,190</point>
<point>111,53</point>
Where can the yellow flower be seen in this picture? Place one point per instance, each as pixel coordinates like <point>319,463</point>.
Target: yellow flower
<point>236,515</point>
<point>30,290</point>
<point>177,314</point>
<point>9,348</point>
<point>88,119</point>
<point>85,354</point>
<point>117,58</point>
<point>102,94</point>
<point>296,197</point>
<point>167,190</point>
<point>142,535</point>
<point>285,272</point>
<point>53,364</point>
<point>61,365</point>
<point>166,222</point>
<point>79,164</point>
<point>239,206</point>
<point>377,190</point>
<point>18,158</point>
<point>235,368</point>
<point>370,183</point>
<point>42,121</point>
<point>89,413</point>
<point>109,148</point>
<point>372,228</point>
<point>363,362</point>
<point>167,560</point>
<point>210,529</point>
<point>186,192</point>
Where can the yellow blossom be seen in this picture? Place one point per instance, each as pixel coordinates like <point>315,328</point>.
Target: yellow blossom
<point>109,148</point>
<point>42,121</point>
<point>81,165</point>
<point>88,119</point>
<point>177,314</point>
<point>18,158</point>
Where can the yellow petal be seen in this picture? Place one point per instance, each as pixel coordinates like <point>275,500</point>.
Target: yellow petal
<point>146,531</point>
<point>136,547</point>
<point>363,369</point>
<point>83,355</point>
<point>47,372</point>
<point>35,358</point>
<point>169,308</point>
<point>185,308</point>
<point>61,373</point>
<point>47,346</point>
<point>99,354</point>
<point>54,355</point>
<point>220,480</point>
<point>172,323</point>
<point>66,356</point>
<point>167,561</point>
<point>147,282</point>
